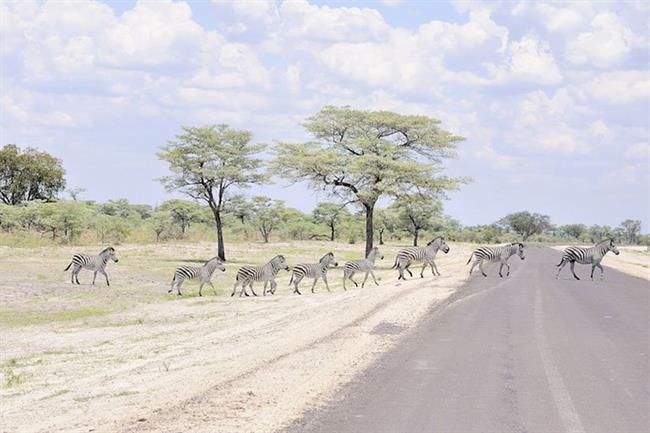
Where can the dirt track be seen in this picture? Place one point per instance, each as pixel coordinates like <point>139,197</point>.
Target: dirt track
<point>213,364</point>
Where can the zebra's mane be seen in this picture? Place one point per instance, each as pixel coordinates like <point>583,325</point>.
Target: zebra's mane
<point>325,256</point>
<point>604,241</point>
<point>435,239</point>
<point>106,250</point>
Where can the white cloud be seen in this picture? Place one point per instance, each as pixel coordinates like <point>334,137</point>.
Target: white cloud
<point>621,87</point>
<point>302,20</point>
<point>600,131</point>
<point>606,44</point>
<point>293,78</point>
<point>530,60</point>
<point>638,151</point>
<point>562,19</point>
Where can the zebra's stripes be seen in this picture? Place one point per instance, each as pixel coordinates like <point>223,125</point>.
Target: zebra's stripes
<point>247,275</point>
<point>496,254</point>
<point>367,265</point>
<point>425,255</point>
<point>201,273</point>
<point>92,263</point>
<point>587,256</point>
<point>312,270</point>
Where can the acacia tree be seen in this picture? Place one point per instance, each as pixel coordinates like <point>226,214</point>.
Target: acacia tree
<point>360,156</point>
<point>330,214</point>
<point>631,230</point>
<point>207,162</point>
<point>417,214</point>
<point>385,220</point>
<point>29,175</point>
<point>526,224</point>
<point>266,215</point>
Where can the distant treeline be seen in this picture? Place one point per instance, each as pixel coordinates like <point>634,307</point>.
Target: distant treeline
<point>263,219</point>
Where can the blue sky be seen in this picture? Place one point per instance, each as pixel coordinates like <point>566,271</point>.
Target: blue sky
<point>554,99</point>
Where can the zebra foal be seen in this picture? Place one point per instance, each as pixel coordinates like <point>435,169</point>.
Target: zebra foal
<point>495,254</point>
<point>587,256</point>
<point>247,275</point>
<point>312,270</point>
<point>425,255</point>
<point>367,265</point>
<point>201,273</point>
<point>92,263</point>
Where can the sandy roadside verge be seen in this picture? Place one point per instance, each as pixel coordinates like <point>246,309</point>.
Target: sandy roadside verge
<point>631,260</point>
<point>216,364</point>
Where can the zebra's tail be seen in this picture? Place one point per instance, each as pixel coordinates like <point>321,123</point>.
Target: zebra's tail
<point>470,259</point>
<point>68,267</point>
<point>395,264</point>
<point>291,281</point>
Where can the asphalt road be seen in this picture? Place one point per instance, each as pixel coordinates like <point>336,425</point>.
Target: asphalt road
<point>524,354</point>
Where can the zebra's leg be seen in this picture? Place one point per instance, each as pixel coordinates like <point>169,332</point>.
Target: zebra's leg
<point>433,264</point>
<point>296,281</point>
<point>178,287</point>
<point>365,279</point>
<point>560,267</point>
<point>94,277</point>
<point>500,268</point>
<point>251,287</point>
<point>345,277</point>
<point>408,270</point>
<point>508,273</point>
<point>264,290</point>
<point>274,286</point>
<point>327,286</point>
<point>573,271</point>
<point>314,285</point>
<point>480,266</point>
<point>424,266</point>
<point>201,288</point>
<point>76,276</point>
<point>355,283</point>
<point>212,285</point>
<point>172,287</point>
<point>234,289</point>
<point>433,269</point>
<point>473,266</point>
<point>373,277</point>
<point>105,276</point>
<point>602,272</point>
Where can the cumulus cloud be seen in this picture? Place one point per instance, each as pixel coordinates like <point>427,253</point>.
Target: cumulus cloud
<point>620,87</point>
<point>607,42</point>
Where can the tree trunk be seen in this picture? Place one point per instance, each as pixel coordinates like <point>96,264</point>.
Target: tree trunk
<point>381,237</point>
<point>415,237</point>
<point>332,232</point>
<point>369,228</point>
<point>221,250</point>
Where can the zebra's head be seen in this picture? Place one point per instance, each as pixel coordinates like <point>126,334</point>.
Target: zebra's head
<point>374,252</point>
<point>279,262</point>
<point>440,243</point>
<point>611,247</point>
<point>328,259</point>
<point>109,254</point>
<point>217,263</point>
<point>520,250</point>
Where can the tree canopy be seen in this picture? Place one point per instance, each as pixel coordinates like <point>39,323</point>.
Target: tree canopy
<point>29,175</point>
<point>526,224</point>
<point>360,156</point>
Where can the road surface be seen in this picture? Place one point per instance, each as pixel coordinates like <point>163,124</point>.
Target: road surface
<point>524,354</point>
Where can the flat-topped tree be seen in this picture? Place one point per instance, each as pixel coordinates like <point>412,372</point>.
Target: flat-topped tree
<point>361,156</point>
<point>207,162</point>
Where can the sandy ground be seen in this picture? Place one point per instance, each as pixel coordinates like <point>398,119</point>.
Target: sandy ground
<point>633,260</point>
<point>132,358</point>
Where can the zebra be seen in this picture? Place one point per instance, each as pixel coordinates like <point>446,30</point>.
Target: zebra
<point>92,263</point>
<point>312,270</point>
<point>201,273</point>
<point>247,275</point>
<point>427,255</point>
<point>496,254</point>
<point>367,265</point>
<point>587,256</point>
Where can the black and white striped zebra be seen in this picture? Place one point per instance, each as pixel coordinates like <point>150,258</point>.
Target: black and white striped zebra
<point>366,265</point>
<point>201,273</point>
<point>425,255</point>
<point>312,270</point>
<point>587,256</point>
<point>496,254</point>
<point>92,263</point>
<point>247,275</point>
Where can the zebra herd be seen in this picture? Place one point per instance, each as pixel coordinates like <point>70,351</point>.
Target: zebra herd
<point>247,275</point>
